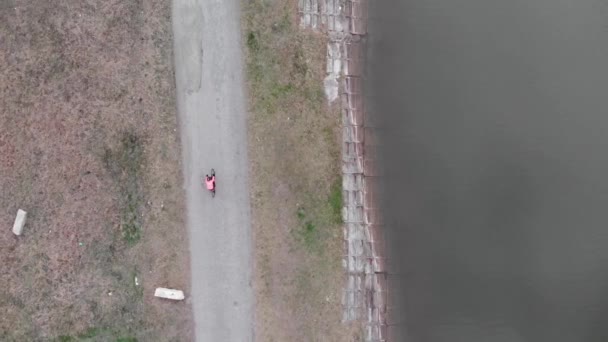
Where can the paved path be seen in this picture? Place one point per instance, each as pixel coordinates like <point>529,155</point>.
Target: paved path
<point>211,105</point>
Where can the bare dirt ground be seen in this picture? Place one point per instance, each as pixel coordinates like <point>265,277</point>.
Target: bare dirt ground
<point>89,147</point>
<point>296,194</point>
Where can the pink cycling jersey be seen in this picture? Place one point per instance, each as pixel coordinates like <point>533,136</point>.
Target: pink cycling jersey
<point>210,183</point>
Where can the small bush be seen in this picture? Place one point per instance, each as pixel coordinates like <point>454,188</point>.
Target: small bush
<point>252,42</point>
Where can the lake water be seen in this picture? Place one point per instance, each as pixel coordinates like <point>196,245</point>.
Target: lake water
<point>495,118</point>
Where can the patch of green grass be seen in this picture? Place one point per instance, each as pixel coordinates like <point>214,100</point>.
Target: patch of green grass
<point>164,150</point>
<point>335,201</point>
<point>125,165</point>
<point>314,225</point>
<point>300,213</point>
<point>90,333</point>
<point>321,216</point>
<point>308,232</point>
<point>279,90</point>
<point>65,338</point>
<point>252,42</point>
<point>126,339</point>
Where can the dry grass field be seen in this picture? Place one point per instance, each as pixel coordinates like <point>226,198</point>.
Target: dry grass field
<point>89,148</point>
<point>296,193</point>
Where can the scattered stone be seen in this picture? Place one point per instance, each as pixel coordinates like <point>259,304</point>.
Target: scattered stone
<point>19,222</point>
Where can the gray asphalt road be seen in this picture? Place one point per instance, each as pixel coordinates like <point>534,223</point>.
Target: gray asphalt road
<point>211,105</point>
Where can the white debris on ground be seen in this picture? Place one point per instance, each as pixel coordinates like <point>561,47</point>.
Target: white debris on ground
<point>172,294</point>
<point>19,222</point>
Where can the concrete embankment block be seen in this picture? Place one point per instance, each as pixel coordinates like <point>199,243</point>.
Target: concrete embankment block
<point>162,292</point>
<point>19,222</point>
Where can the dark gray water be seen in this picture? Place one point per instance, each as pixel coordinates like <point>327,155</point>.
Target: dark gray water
<point>496,133</point>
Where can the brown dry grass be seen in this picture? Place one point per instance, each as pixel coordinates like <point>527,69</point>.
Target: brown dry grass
<point>296,196</point>
<point>88,147</point>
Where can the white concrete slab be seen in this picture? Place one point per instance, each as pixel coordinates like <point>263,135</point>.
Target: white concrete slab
<point>19,222</point>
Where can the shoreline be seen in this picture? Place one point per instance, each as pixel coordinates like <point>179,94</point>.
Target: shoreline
<point>365,291</point>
